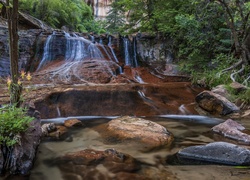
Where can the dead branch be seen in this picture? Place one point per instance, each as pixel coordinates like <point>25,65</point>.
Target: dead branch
<point>245,82</point>
<point>232,76</point>
<point>233,66</point>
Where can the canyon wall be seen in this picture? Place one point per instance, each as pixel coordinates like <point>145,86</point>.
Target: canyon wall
<point>100,8</point>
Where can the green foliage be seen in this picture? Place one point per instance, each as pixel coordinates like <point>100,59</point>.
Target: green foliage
<point>75,14</point>
<point>13,121</point>
<point>210,75</point>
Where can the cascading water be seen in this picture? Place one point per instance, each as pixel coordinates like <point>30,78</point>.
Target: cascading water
<point>130,54</point>
<point>104,49</point>
<point>47,54</point>
<point>127,56</point>
<point>111,49</point>
<point>79,48</point>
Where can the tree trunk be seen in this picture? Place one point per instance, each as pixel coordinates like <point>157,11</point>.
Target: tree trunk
<point>15,88</point>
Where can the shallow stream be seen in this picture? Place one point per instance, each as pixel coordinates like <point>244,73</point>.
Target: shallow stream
<point>187,131</point>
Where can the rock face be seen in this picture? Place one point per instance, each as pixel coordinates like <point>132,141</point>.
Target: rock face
<point>216,153</point>
<point>27,43</point>
<point>85,164</point>
<point>92,71</point>
<point>231,129</point>
<point>100,7</point>
<point>154,48</point>
<point>215,103</point>
<point>139,130</point>
<point>23,154</point>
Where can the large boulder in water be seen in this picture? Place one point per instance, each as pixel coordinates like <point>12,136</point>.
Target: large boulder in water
<point>215,153</point>
<point>215,103</point>
<point>149,134</point>
<point>231,129</point>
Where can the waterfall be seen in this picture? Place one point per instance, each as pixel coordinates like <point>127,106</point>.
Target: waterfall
<point>111,49</point>
<point>96,8</point>
<point>104,49</point>
<point>79,48</point>
<point>127,57</point>
<point>47,54</point>
<point>130,52</point>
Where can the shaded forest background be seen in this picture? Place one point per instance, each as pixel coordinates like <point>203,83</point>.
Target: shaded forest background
<point>211,38</point>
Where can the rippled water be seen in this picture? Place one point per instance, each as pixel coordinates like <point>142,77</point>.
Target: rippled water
<point>187,130</point>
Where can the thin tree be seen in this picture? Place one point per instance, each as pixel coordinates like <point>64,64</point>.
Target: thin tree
<point>12,17</point>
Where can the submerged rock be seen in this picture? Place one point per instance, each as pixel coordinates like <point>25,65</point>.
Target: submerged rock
<point>231,129</point>
<point>139,130</point>
<point>88,163</point>
<point>215,103</point>
<point>216,153</point>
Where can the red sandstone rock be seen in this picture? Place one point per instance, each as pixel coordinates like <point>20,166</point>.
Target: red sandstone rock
<point>231,129</point>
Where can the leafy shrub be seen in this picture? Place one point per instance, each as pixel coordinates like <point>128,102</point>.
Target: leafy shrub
<point>211,75</point>
<point>13,121</point>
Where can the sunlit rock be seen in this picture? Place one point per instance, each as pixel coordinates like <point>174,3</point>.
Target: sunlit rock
<point>215,103</point>
<point>149,133</point>
<point>73,123</point>
<point>215,153</point>
<point>231,129</point>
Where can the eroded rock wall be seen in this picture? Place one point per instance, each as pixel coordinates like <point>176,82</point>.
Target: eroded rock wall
<point>27,44</point>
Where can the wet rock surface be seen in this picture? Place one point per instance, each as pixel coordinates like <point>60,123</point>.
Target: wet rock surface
<point>215,103</point>
<point>113,100</point>
<point>149,134</point>
<point>91,71</point>
<point>215,153</point>
<point>231,129</point>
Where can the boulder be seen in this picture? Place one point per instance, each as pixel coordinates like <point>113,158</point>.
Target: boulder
<point>149,133</point>
<point>215,103</point>
<point>61,132</point>
<point>216,153</point>
<point>221,90</point>
<point>231,129</point>
<point>237,87</point>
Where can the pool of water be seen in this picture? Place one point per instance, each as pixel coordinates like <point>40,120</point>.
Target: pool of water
<point>187,131</point>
